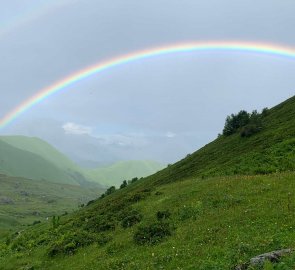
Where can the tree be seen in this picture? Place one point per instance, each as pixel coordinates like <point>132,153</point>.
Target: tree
<point>124,184</point>
<point>133,180</point>
<point>235,122</point>
<point>110,190</point>
<point>244,122</point>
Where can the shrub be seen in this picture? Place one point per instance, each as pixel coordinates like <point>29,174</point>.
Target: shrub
<point>133,180</point>
<point>69,242</point>
<point>139,196</point>
<point>103,239</point>
<point>131,219</point>
<point>124,184</point>
<point>249,130</point>
<point>36,222</point>
<point>246,123</point>
<point>235,121</point>
<point>110,190</point>
<point>152,234</point>
<point>190,211</point>
<point>163,214</point>
<point>104,226</point>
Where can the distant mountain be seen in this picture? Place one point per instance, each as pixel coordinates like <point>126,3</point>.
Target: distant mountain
<point>124,170</point>
<point>31,157</point>
<point>35,159</point>
<point>41,148</point>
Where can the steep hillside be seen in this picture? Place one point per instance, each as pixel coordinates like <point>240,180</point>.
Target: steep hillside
<point>41,148</point>
<point>17,162</point>
<point>108,176</point>
<point>124,170</point>
<point>271,150</point>
<point>222,205</point>
<point>35,159</point>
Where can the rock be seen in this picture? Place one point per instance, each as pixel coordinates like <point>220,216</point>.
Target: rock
<point>6,200</point>
<point>272,256</point>
<point>24,193</point>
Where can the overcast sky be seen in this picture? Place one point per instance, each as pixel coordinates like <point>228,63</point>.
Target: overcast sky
<point>160,108</point>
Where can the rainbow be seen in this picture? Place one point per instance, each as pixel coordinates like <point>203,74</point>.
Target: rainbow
<point>29,12</point>
<point>245,47</point>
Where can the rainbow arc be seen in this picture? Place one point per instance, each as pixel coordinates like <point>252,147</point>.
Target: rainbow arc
<point>229,46</point>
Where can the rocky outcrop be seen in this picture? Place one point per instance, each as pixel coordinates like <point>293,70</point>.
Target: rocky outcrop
<point>272,256</point>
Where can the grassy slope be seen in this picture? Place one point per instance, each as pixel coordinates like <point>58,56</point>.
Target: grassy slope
<point>23,201</point>
<point>215,223</point>
<point>72,173</point>
<point>271,150</point>
<point>17,162</point>
<point>41,148</point>
<point>124,170</point>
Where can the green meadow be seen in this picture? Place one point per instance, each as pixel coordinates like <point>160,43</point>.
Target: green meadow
<point>24,202</point>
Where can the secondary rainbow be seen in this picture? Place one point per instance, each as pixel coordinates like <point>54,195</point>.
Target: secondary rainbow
<point>231,46</point>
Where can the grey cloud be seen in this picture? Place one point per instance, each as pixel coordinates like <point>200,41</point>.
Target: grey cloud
<point>188,95</point>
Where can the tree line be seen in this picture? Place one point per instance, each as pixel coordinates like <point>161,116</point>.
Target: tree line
<point>245,123</point>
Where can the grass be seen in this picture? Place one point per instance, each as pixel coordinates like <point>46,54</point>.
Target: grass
<point>24,201</point>
<point>217,223</point>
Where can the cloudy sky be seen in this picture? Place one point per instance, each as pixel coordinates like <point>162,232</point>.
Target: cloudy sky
<point>160,108</point>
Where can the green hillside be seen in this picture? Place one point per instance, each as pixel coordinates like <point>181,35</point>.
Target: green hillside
<point>17,162</point>
<point>54,167</point>
<point>24,201</point>
<point>269,151</point>
<point>217,208</point>
<point>124,170</point>
<point>41,148</point>
<point>59,168</point>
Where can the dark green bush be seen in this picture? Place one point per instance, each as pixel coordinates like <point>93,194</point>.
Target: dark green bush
<point>131,219</point>
<point>36,222</point>
<point>136,197</point>
<point>163,214</point>
<point>100,223</point>
<point>190,211</point>
<point>245,123</point>
<point>103,239</point>
<point>153,233</point>
<point>69,242</point>
<point>124,184</point>
<point>103,225</point>
<point>249,130</point>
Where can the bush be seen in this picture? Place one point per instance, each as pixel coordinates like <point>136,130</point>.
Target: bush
<point>152,234</point>
<point>103,239</point>
<point>131,219</point>
<point>36,222</point>
<point>190,211</point>
<point>124,184</point>
<point>133,180</point>
<point>104,225</point>
<point>110,190</point>
<point>139,196</point>
<point>249,130</point>
<point>246,123</point>
<point>235,121</point>
<point>69,242</point>
<point>163,214</point>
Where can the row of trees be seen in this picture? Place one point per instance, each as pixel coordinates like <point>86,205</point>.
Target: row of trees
<point>245,123</point>
<point>124,184</point>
